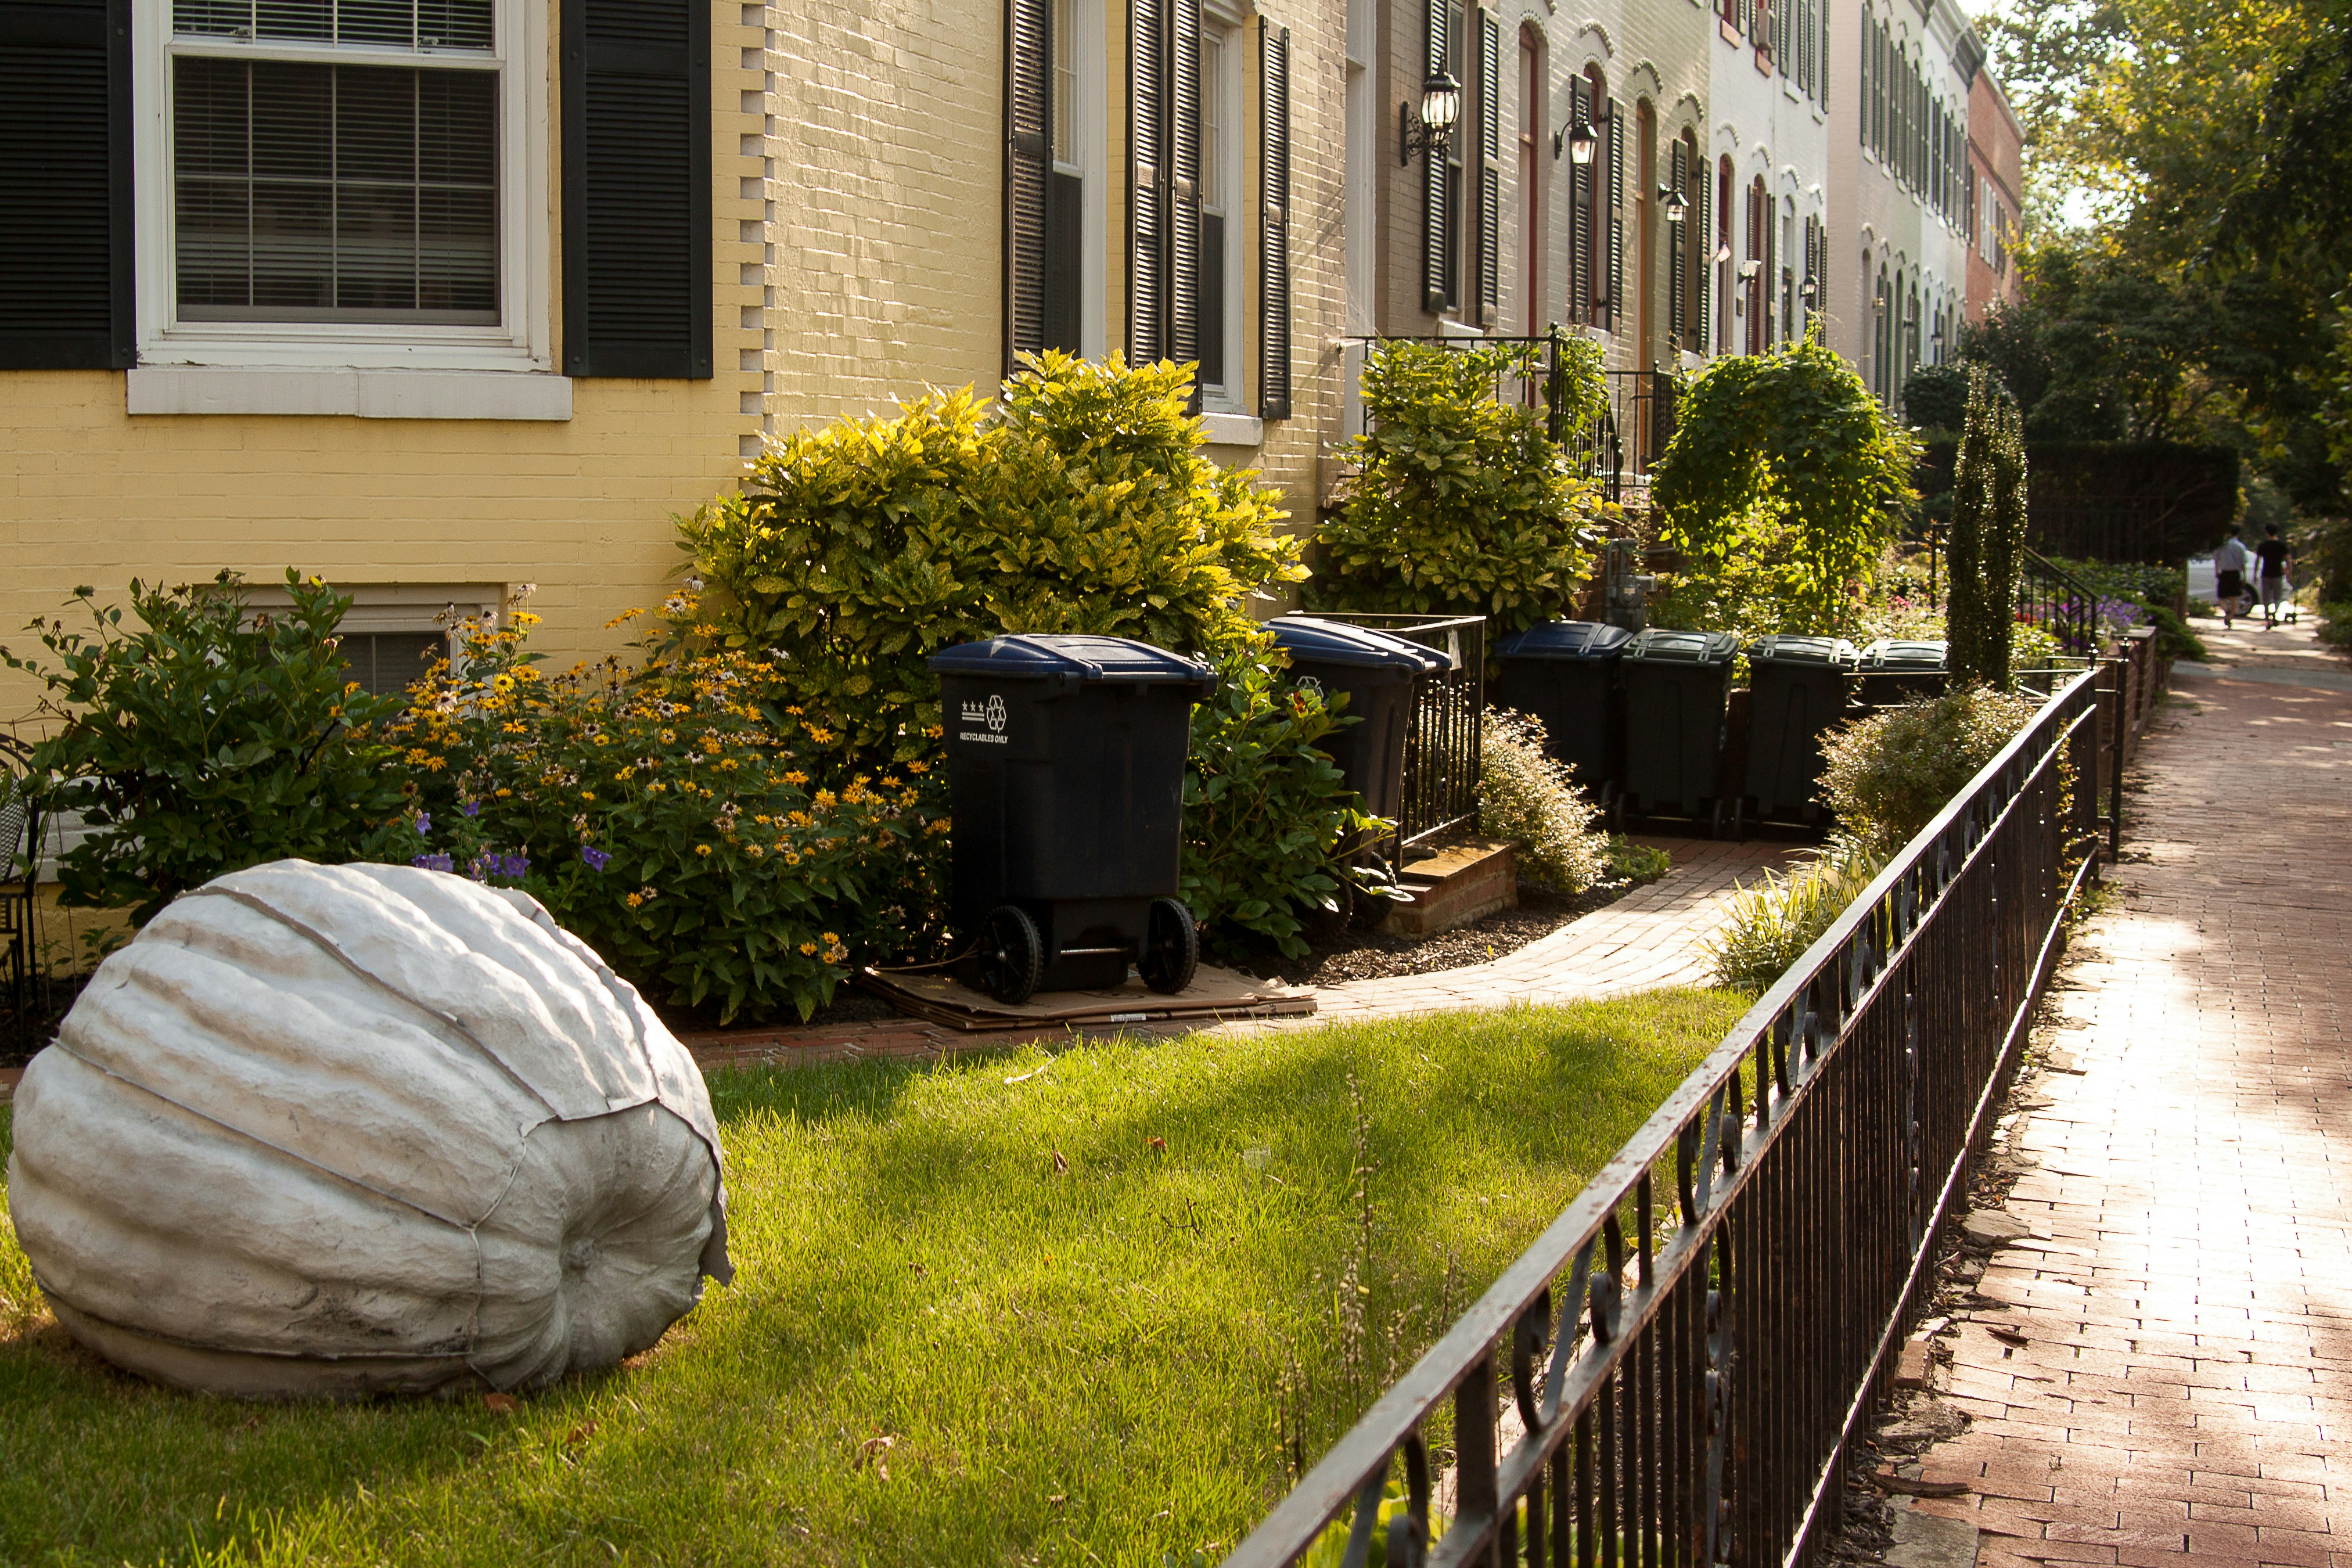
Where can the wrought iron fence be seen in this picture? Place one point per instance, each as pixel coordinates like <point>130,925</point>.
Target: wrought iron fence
<point>1441,749</point>
<point>1724,1329</point>
<point>23,975</point>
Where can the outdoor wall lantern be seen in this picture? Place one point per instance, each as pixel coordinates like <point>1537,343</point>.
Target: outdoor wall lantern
<point>1582,144</point>
<point>1748,269</point>
<point>1441,106</point>
<point>1677,205</point>
<point>1810,291</point>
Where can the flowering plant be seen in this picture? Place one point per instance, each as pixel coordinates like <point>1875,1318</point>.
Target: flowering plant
<point>664,812</point>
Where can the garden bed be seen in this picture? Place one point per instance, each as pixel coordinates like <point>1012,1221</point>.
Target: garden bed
<point>1338,958</point>
<point>1007,1307</point>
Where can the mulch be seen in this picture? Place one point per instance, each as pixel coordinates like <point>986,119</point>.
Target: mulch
<point>1342,956</point>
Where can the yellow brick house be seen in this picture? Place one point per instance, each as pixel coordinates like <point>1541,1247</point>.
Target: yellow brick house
<point>436,297</point>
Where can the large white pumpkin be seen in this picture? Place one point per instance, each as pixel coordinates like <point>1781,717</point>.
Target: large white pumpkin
<point>336,1129</point>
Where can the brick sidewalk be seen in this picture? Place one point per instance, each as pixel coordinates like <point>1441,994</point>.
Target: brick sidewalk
<point>2172,1376</point>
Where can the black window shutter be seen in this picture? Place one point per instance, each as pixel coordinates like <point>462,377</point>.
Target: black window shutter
<point>1273,221</point>
<point>1490,168</point>
<point>1581,193</point>
<point>1028,145</point>
<point>1703,255</point>
<point>1146,224</point>
<point>65,185</point>
<point>1619,317</point>
<point>1185,183</point>
<point>1433,215</point>
<point>637,188</point>
<point>1678,246</point>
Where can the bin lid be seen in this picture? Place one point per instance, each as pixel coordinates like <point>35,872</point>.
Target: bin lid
<point>1565,640</point>
<point>1044,655</point>
<point>1336,642</point>
<point>1835,652</point>
<point>1657,647</point>
<point>1899,653</point>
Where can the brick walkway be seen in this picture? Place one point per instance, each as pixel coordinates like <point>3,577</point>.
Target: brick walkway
<point>2163,1368</point>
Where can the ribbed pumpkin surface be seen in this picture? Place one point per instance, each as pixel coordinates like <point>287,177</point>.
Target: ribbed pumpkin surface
<point>337,1129</point>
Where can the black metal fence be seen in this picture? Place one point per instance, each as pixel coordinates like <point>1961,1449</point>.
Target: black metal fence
<point>24,974</point>
<point>1693,1345</point>
<point>1441,749</point>
<point>2060,603</point>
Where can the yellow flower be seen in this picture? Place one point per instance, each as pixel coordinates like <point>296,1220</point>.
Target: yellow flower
<point>831,939</point>
<point>502,682</point>
<point>796,777</point>
<point>791,857</point>
<point>824,797</point>
<point>525,618</point>
<point>808,949</point>
<point>754,850</point>
<point>636,900</point>
<point>506,794</point>
<point>587,795</point>
<point>702,849</point>
<point>710,744</point>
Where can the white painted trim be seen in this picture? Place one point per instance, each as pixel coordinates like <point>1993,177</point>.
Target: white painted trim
<point>362,394</point>
<point>523,339</point>
<point>1234,429</point>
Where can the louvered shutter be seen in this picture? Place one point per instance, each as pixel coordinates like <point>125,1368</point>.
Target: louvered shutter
<point>1490,169</point>
<point>1678,245</point>
<point>1028,153</point>
<point>1435,218</point>
<point>1581,193</point>
<point>1822,56</point>
<point>65,185</point>
<point>1185,183</point>
<point>1615,223</point>
<point>1147,209</point>
<point>1273,221</point>
<point>1703,253</point>
<point>637,188</point>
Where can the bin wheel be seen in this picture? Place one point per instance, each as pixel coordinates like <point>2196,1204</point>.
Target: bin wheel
<point>1012,955</point>
<point>1171,948</point>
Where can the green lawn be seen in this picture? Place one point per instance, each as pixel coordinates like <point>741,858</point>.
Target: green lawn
<point>941,1346</point>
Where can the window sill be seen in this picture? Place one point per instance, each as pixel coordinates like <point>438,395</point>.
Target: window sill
<point>359,394</point>
<point>1234,429</point>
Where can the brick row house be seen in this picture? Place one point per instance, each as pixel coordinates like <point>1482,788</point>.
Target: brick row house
<point>436,298</point>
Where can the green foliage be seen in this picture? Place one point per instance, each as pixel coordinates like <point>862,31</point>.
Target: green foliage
<point>1530,800</point>
<point>1985,551</point>
<point>1760,585</point>
<point>1789,455</point>
<point>1636,863</point>
<point>1268,816</point>
<point>1463,503</point>
<point>854,553</point>
<point>1936,397</point>
<point>1886,776</point>
<point>665,815</point>
<point>939,1348</point>
<point>2336,622</point>
<point>209,737</point>
<point>1773,921</point>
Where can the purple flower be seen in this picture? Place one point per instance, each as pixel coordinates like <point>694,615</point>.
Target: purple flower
<point>512,865</point>
<point>423,822</point>
<point>434,862</point>
<point>597,859</point>
<point>472,808</point>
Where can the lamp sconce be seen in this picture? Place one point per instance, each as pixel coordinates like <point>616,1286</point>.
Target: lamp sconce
<point>1441,107</point>
<point>1582,142</point>
<point>1748,269</point>
<point>1810,291</point>
<point>1677,204</point>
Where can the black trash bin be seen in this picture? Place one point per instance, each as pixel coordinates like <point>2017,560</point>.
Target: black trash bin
<point>1565,674</point>
<point>1677,691</point>
<point>1378,674</point>
<point>1894,671</point>
<point>1797,686</point>
<point>1066,775</point>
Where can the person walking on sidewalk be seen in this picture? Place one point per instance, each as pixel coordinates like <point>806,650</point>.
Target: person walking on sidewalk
<point>2276,560</point>
<point>2229,575</point>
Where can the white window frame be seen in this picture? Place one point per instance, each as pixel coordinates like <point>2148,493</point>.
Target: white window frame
<point>1225,24</point>
<point>521,341</point>
<point>1089,139</point>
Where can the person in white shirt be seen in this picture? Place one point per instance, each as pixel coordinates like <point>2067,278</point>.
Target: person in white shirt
<point>2230,576</point>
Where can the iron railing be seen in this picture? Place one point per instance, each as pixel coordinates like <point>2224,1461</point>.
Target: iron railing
<point>2060,603</point>
<point>1719,1351</point>
<point>23,973</point>
<point>1440,790</point>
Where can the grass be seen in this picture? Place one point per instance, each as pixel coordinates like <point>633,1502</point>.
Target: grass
<point>1086,1307</point>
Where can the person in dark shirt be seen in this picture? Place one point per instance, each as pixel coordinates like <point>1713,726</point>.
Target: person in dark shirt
<point>2275,559</point>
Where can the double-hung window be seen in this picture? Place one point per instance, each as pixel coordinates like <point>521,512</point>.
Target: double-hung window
<point>342,182</point>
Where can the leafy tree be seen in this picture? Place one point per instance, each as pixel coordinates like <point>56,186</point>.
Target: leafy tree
<point>1986,548</point>
<point>1463,502</point>
<point>1785,459</point>
<point>212,736</point>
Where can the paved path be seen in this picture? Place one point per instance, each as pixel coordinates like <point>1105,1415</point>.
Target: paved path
<point>2173,1377</point>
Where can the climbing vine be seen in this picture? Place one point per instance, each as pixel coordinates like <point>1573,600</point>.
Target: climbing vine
<point>1785,456</point>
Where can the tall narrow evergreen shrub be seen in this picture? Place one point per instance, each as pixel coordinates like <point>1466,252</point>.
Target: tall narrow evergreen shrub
<point>1986,549</point>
